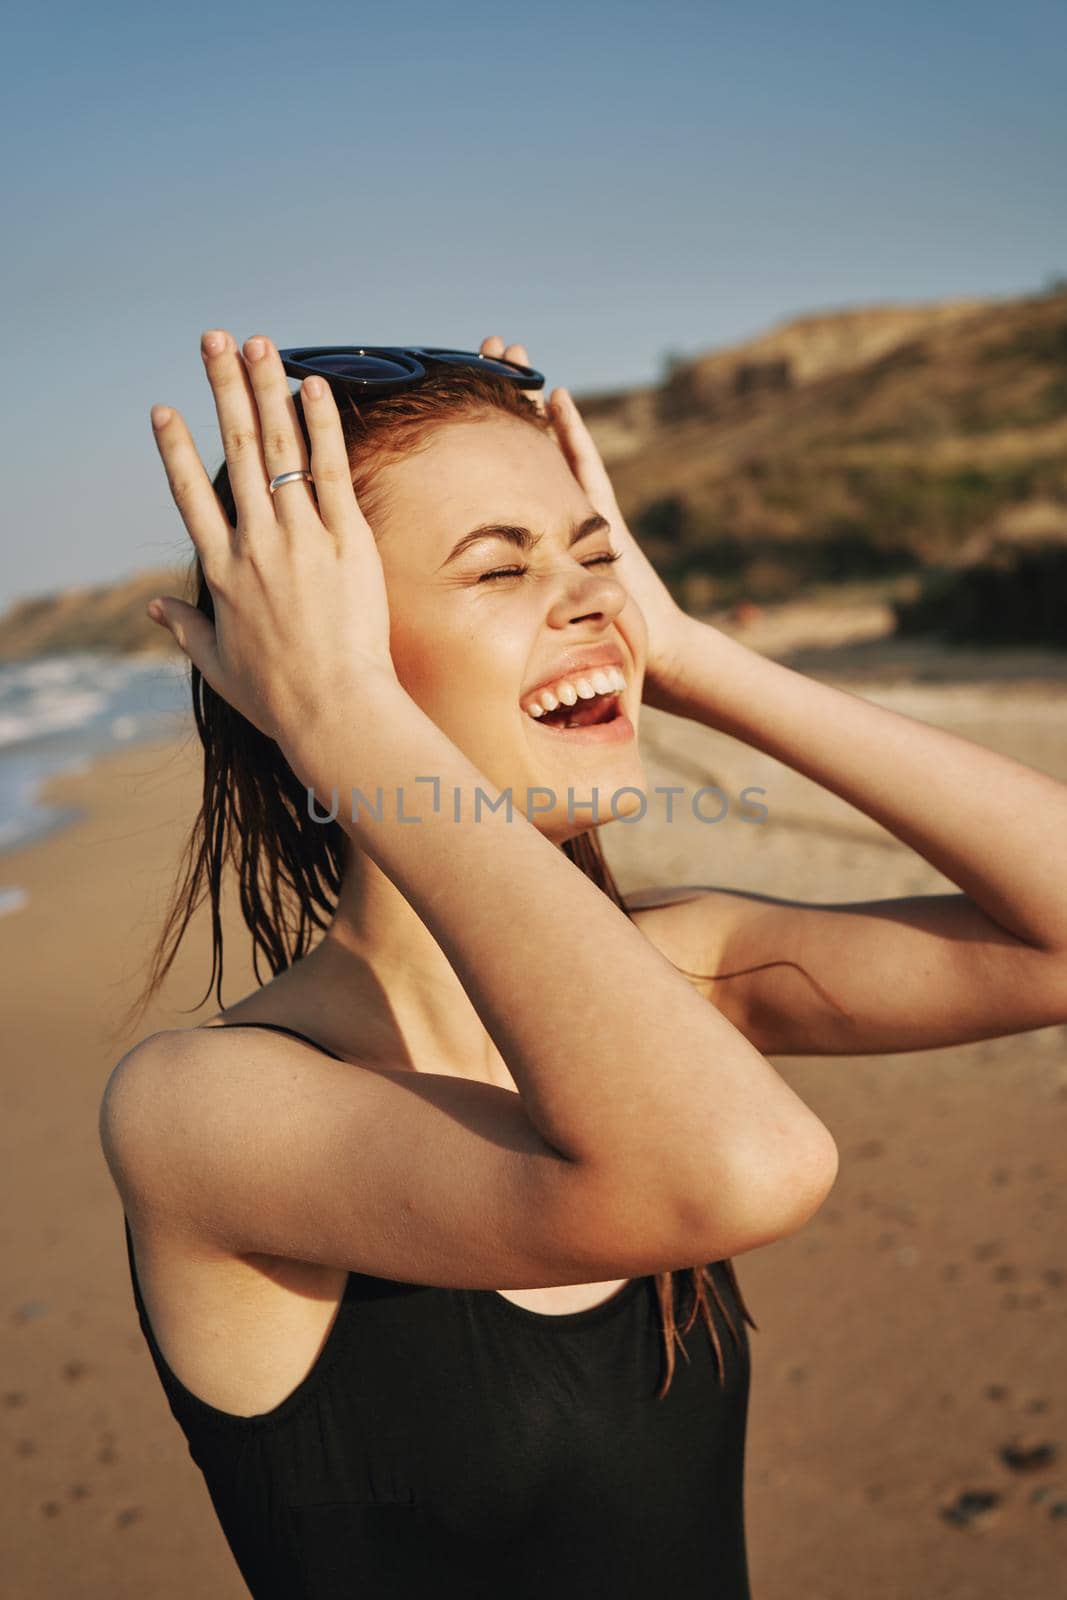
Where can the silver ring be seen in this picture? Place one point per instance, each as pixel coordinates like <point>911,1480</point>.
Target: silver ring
<point>289,477</point>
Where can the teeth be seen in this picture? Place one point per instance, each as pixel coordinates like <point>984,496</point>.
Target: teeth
<point>603,680</point>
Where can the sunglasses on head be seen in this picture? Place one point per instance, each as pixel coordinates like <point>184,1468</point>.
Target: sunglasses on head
<point>366,370</point>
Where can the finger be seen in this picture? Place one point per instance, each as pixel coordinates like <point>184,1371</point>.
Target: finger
<point>582,454</point>
<point>334,491</point>
<point>517,353</point>
<point>204,518</point>
<point>493,346</point>
<point>238,415</point>
<point>282,441</point>
<point>192,631</point>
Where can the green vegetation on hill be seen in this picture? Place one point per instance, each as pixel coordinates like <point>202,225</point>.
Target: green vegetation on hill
<point>1015,596</point>
<point>852,445</point>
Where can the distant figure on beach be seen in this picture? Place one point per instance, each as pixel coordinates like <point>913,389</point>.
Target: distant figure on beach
<point>420,1249</point>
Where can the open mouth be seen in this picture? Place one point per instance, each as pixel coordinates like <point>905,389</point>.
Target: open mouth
<point>602,708</point>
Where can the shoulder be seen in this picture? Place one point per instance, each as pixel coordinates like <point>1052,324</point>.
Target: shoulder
<point>683,921</point>
<point>166,1093</point>
<point>697,927</point>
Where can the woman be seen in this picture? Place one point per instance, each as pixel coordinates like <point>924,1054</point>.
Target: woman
<point>404,1258</point>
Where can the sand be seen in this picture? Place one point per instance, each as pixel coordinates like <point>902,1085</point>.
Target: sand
<point>907,1424</point>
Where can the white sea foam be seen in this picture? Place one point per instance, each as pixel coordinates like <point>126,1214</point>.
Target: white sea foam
<point>49,711</point>
<point>59,712</point>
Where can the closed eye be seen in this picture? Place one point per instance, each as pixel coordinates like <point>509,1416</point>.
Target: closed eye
<point>517,572</point>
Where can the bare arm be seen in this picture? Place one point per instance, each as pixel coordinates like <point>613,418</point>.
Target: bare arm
<point>620,1064</point>
<point>621,1068</point>
<point>993,826</point>
<point>897,974</point>
<point>905,974</point>
<point>867,977</point>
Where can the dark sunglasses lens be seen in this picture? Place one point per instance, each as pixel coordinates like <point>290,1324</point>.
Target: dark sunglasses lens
<point>468,358</point>
<point>368,369</point>
<point>384,369</point>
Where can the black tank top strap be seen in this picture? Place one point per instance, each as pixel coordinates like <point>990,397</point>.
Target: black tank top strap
<point>280,1027</point>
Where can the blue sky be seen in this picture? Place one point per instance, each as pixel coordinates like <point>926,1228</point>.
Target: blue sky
<point>605,182</point>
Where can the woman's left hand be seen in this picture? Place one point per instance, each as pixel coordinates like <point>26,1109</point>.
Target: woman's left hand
<point>665,620</point>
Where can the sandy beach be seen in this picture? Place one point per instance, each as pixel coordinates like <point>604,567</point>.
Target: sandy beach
<point>907,1425</point>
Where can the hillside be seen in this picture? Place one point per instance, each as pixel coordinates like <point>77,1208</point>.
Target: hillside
<point>843,446</point>
<point>105,617</point>
<point>867,443</point>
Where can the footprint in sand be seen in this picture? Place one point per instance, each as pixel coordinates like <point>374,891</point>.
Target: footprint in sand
<point>971,1507</point>
<point>1033,1455</point>
<point>1028,1454</point>
<point>1051,1499</point>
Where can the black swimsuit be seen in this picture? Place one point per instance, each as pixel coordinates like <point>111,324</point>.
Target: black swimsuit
<point>450,1441</point>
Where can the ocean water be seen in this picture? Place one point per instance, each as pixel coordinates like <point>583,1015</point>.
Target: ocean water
<point>57,713</point>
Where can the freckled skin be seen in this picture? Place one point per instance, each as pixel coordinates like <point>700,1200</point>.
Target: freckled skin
<point>465,650</point>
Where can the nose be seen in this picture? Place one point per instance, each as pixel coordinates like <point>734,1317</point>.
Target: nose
<point>587,596</point>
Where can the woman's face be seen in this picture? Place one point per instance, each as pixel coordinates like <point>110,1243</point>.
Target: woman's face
<point>471,649</point>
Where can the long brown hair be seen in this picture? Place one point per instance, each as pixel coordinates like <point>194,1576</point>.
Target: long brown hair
<point>254,813</point>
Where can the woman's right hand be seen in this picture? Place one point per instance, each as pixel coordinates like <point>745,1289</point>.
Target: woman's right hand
<point>301,614</point>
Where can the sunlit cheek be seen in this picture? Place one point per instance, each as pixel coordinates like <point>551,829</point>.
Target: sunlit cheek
<point>432,681</point>
<point>446,673</point>
<point>415,643</point>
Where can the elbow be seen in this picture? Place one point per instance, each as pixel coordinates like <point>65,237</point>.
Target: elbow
<point>810,1186</point>
<point>776,1194</point>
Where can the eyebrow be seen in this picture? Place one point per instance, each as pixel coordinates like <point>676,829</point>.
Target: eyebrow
<point>523,538</point>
